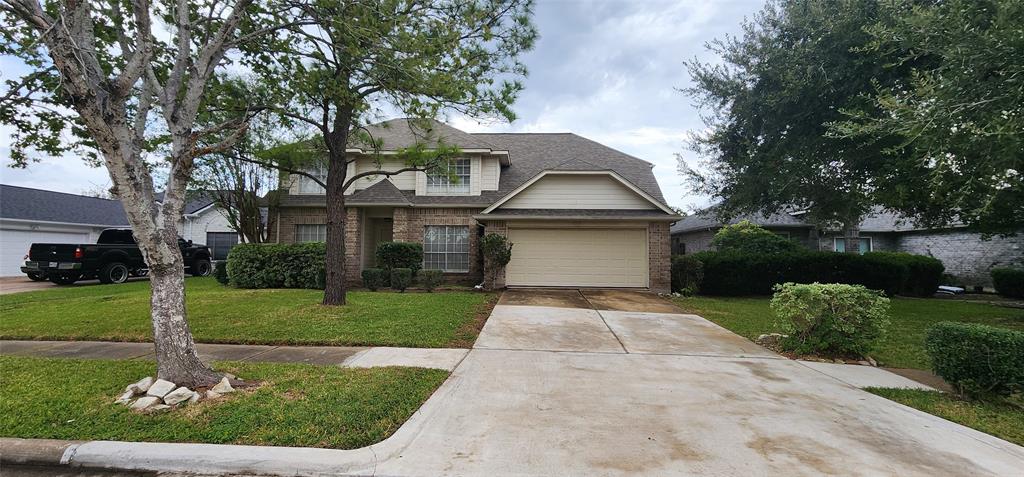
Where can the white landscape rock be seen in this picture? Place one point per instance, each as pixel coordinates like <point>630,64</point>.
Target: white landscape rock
<point>144,403</point>
<point>223,387</point>
<point>125,398</point>
<point>140,386</point>
<point>158,408</point>
<point>181,394</point>
<point>195,398</point>
<point>210,395</point>
<point>160,388</point>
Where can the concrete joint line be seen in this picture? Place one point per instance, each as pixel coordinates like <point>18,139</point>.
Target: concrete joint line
<point>69,454</point>
<point>604,321</point>
<point>247,358</point>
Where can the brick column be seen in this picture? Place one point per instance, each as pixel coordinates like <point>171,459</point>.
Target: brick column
<point>659,253</point>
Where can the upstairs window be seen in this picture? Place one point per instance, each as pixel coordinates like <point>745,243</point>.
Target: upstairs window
<point>451,177</point>
<point>310,233</point>
<point>865,245</point>
<point>309,186</point>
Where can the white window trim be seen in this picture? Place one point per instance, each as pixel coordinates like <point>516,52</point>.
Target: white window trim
<point>835,242</point>
<point>307,186</point>
<point>446,246</point>
<point>318,226</point>
<point>462,187</point>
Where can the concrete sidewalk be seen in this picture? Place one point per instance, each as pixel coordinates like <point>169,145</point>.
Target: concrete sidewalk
<point>360,357</point>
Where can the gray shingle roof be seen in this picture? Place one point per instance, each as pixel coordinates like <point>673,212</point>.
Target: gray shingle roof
<point>878,220</point>
<point>589,213</point>
<point>383,192</point>
<point>400,133</point>
<point>530,154</point>
<point>23,203</point>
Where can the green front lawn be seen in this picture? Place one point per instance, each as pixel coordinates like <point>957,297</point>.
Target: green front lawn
<point>219,314</point>
<point>296,404</point>
<point>999,419</point>
<point>903,344</point>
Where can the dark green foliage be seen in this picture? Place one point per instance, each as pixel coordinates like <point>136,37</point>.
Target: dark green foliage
<point>957,118</point>
<point>374,278</point>
<point>687,274</point>
<point>977,359</point>
<point>220,271</point>
<point>768,97</point>
<point>922,274</point>
<point>739,274</point>
<point>748,237</point>
<point>430,279</point>
<point>277,265</point>
<point>391,255</point>
<point>831,319</point>
<point>1008,282</point>
<point>401,278</point>
<point>497,252</point>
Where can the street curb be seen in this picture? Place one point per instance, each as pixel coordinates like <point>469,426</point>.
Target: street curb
<point>36,452</point>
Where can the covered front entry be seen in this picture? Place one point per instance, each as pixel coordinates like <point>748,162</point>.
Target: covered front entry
<point>578,257</point>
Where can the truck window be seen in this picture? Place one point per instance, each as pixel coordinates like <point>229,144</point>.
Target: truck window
<point>116,236</point>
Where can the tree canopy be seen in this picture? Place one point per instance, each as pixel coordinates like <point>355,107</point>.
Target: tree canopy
<point>769,102</point>
<point>958,117</point>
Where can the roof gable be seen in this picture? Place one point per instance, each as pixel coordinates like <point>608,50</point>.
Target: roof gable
<point>586,189</point>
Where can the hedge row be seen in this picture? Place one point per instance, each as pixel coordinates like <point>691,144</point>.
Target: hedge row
<point>737,273</point>
<point>1008,282</point>
<point>277,265</point>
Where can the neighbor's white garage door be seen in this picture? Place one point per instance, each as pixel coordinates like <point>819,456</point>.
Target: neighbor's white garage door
<point>578,257</point>
<point>14,245</point>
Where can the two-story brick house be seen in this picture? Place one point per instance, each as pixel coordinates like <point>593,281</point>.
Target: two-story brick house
<point>579,213</point>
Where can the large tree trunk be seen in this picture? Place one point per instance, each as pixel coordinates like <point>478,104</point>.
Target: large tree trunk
<point>176,357</point>
<point>337,170</point>
<point>334,289</point>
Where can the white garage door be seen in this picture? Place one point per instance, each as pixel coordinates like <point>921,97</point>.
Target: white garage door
<point>14,245</point>
<point>578,258</point>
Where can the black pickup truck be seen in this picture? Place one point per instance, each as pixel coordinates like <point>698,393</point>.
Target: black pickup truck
<point>112,259</point>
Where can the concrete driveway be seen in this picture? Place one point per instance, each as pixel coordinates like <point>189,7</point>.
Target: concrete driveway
<point>22,283</point>
<point>617,383</point>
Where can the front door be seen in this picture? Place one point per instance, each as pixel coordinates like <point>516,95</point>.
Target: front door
<point>381,230</point>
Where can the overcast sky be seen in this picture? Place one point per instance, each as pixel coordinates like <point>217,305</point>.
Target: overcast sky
<point>606,70</point>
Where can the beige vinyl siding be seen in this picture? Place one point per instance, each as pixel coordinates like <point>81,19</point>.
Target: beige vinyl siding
<point>403,181</point>
<point>490,171</point>
<point>578,257</point>
<point>577,191</point>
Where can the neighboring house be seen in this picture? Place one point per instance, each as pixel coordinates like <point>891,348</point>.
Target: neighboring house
<point>579,213</point>
<point>30,216</point>
<point>968,258</point>
<point>205,223</point>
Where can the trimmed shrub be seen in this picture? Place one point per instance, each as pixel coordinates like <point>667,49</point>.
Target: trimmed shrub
<point>831,318</point>
<point>277,265</point>
<point>922,275</point>
<point>497,252</point>
<point>977,359</point>
<point>401,278</point>
<point>748,237</point>
<point>1008,282</point>
<point>738,274</point>
<point>687,273</point>
<point>374,278</point>
<point>391,255</point>
<point>220,271</point>
<point>430,279</point>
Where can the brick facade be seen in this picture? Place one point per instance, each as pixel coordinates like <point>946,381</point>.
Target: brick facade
<point>659,256</point>
<point>409,224</point>
<point>968,258</point>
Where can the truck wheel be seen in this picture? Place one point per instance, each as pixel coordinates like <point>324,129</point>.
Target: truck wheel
<point>64,279</point>
<point>113,272</point>
<point>201,268</point>
<point>37,276</point>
